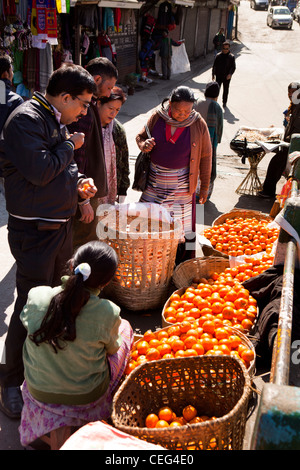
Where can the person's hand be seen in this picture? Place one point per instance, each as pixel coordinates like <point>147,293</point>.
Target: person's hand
<point>86,188</point>
<point>228,77</point>
<point>203,197</point>
<point>148,145</point>
<point>77,139</point>
<point>87,213</point>
<point>213,78</point>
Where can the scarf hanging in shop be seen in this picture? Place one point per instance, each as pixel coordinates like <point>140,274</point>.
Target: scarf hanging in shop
<point>51,19</point>
<point>63,6</point>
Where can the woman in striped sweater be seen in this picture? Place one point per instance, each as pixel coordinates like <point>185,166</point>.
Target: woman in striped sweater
<point>181,152</point>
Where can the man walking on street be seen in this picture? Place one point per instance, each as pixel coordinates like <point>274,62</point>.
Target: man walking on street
<point>223,69</point>
<point>42,186</point>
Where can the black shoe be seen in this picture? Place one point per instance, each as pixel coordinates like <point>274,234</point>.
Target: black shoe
<point>265,195</point>
<point>11,402</point>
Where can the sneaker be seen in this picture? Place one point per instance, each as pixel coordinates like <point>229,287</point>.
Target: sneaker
<point>265,195</point>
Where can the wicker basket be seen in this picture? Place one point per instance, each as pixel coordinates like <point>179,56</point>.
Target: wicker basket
<point>146,264</point>
<point>197,268</point>
<point>244,213</point>
<point>217,386</point>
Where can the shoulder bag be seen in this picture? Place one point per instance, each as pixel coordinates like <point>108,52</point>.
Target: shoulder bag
<point>142,167</point>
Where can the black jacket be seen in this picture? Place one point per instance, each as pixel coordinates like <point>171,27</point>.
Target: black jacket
<point>224,65</point>
<point>37,161</point>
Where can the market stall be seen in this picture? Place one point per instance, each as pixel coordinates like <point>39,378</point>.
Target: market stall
<point>252,144</point>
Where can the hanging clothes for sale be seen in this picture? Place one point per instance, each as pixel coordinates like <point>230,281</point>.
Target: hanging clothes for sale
<point>63,6</point>
<point>108,20</point>
<point>165,15</point>
<point>148,25</point>
<point>9,7</point>
<point>88,16</point>
<point>117,20</point>
<point>105,47</point>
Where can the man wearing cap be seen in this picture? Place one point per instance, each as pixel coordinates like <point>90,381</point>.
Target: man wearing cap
<point>223,69</point>
<point>212,113</point>
<point>278,163</point>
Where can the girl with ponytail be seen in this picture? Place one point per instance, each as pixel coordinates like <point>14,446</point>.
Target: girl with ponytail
<point>77,346</point>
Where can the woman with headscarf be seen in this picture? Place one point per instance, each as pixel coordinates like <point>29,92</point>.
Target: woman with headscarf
<point>180,153</point>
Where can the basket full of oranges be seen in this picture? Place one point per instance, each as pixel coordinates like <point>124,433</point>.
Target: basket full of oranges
<point>186,403</point>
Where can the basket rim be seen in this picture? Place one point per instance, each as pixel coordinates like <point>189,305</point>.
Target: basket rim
<point>204,424</point>
<point>240,211</point>
<point>198,260</point>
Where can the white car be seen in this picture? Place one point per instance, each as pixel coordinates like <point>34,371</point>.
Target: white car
<point>280,17</point>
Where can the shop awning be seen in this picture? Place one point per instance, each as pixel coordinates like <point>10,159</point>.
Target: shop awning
<point>186,3</point>
<point>120,4</point>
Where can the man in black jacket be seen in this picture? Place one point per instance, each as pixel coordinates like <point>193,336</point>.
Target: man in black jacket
<point>42,186</point>
<point>223,69</point>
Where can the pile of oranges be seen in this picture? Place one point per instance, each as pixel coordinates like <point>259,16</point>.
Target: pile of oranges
<point>239,236</point>
<point>206,335</point>
<point>221,298</point>
<point>165,417</point>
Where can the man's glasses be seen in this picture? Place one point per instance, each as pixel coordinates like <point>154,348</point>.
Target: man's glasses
<point>86,104</point>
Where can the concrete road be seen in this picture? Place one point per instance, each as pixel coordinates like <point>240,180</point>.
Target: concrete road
<point>267,61</point>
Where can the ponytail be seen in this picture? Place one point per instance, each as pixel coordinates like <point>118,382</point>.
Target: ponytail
<point>93,266</point>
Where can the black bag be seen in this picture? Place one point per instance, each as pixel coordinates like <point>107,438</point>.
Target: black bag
<point>142,167</point>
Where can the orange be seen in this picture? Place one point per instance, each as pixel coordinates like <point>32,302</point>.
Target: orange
<point>171,319</point>
<point>174,330</point>
<point>190,341</point>
<point>185,326</point>
<point>142,346</point>
<point>180,353</point>
<point>141,359</point>
<point>228,313</point>
<point>241,314</point>
<point>194,312</point>
<point>207,343</point>
<point>221,333</point>
<point>164,348</point>
<point>165,413</point>
<point>189,412</point>
<point>162,334</point>
<point>151,420</point>
<point>148,335</point>
<point>198,348</point>
<point>235,341</point>
<point>153,343</point>
<point>162,424</point>
<point>241,302</point>
<point>170,312</point>
<point>175,424</point>
<point>217,307</point>
<point>177,345</point>
<point>130,366</point>
<point>152,354</point>
<point>247,355</point>
<point>225,349</point>
<point>190,352</point>
<point>208,326</point>
<point>247,324</point>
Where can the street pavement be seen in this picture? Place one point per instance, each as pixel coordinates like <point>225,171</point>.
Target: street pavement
<point>257,97</point>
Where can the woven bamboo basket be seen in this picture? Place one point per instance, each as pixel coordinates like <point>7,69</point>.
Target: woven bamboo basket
<point>244,213</point>
<point>146,261</point>
<point>218,386</point>
<point>194,269</point>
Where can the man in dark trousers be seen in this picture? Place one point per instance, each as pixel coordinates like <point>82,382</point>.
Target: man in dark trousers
<point>42,189</point>
<point>223,69</point>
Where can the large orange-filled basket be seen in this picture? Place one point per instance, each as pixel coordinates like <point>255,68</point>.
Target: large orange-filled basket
<point>243,213</point>
<point>217,386</point>
<point>146,251</point>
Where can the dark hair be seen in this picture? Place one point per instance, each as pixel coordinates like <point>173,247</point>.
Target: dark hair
<point>181,93</point>
<point>59,323</point>
<point>5,63</point>
<point>116,94</point>
<point>102,66</point>
<point>72,79</point>
<point>212,90</point>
